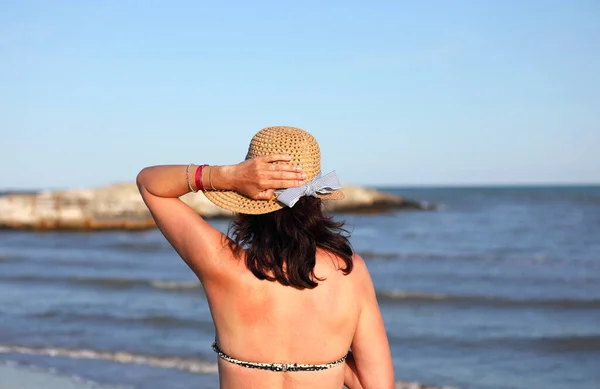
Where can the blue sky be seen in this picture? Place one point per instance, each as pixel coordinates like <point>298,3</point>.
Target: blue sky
<point>396,92</point>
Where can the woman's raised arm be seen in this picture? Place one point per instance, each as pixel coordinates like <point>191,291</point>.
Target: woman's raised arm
<point>196,241</point>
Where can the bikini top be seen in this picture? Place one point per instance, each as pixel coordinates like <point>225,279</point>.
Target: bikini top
<point>282,367</point>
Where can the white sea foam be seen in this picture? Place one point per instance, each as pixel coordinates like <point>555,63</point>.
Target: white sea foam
<point>184,364</point>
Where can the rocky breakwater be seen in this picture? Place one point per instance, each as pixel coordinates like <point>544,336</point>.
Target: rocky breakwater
<point>121,207</point>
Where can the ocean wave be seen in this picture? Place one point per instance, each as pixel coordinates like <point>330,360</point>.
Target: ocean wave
<point>409,296</point>
<point>385,296</point>
<point>541,344</point>
<point>154,320</point>
<point>400,297</point>
<point>569,343</point>
<point>86,264</point>
<point>379,255</point>
<point>10,258</point>
<point>184,364</point>
<point>376,255</point>
<point>118,283</point>
<point>176,285</point>
<point>495,257</point>
<point>140,246</point>
<point>178,363</point>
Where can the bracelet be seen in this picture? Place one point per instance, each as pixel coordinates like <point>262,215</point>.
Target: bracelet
<point>187,176</point>
<point>199,184</point>
<point>210,179</point>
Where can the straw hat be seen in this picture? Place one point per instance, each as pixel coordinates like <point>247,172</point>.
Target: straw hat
<point>299,144</point>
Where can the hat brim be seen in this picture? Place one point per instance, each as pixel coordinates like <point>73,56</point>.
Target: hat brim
<point>238,203</point>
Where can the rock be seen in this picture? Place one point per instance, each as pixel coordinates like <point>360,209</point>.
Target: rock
<point>363,200</point>
<point>120,206</point>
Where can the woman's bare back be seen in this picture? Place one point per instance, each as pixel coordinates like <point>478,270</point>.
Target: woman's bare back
<point>263,321</point>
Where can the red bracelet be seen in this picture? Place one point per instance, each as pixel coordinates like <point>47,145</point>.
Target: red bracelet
<point>199,185</point>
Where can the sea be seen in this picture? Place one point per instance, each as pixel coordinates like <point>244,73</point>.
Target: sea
<point>499,288</point>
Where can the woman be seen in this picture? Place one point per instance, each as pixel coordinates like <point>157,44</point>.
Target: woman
<point>287,295</point>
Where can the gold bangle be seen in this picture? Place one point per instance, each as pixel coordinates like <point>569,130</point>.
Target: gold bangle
<point>207,167</point>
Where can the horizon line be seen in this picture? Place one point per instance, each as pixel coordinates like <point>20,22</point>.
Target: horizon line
<point>376,186</point>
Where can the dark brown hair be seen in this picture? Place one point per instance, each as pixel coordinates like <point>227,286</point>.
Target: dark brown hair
<point>281,246</point>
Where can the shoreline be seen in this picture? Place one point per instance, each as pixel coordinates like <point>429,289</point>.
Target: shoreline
<point>16,376</point>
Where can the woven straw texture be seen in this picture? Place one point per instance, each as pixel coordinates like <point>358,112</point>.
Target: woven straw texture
<point>299,144</point>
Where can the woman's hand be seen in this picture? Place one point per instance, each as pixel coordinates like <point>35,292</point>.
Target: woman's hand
<point>258,178</point>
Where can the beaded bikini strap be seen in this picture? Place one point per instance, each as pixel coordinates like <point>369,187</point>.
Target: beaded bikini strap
<point>282,367</point>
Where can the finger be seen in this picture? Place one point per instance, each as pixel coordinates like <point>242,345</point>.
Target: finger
<point>277,158</point>
<point>286,183</point>
<point>284,167</point>
<point>287,175</point>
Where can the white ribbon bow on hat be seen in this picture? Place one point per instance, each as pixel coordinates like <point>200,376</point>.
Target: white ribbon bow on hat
<point>321,185</point>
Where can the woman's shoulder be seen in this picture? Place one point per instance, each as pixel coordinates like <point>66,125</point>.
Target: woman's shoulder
<point>358,273</point>
<point>359,267</point>
<point>359,261</point>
